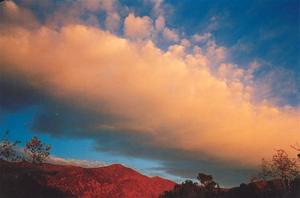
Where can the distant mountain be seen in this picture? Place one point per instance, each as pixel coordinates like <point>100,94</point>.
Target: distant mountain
<point>24,179</point>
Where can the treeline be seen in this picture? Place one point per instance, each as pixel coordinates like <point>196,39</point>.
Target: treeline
<point>34,150</point>
<point>278,178</point>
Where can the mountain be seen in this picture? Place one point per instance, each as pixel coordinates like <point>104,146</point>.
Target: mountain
<point>23,179</point>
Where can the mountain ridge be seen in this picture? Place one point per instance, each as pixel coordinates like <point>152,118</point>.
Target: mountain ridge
<point>112,181</point>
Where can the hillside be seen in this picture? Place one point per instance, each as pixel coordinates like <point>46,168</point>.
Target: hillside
<point>46,180</point>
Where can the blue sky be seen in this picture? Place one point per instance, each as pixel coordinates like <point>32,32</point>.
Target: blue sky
<point>268,29</point>
<point>19,126</point>
<point>84,124</point>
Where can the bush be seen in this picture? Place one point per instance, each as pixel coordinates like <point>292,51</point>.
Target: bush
<point>8,150</point>
<point>37,151</point>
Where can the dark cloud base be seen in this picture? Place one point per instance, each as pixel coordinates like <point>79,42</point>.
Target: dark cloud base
<point>58,119</point>
<point>16,94</point>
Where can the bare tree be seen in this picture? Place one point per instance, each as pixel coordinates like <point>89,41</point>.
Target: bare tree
<point>8,150</point>
<point>37,151</point>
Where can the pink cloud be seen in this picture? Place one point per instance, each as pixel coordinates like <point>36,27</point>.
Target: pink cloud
<point>170,35</point>
<point>137,27</point>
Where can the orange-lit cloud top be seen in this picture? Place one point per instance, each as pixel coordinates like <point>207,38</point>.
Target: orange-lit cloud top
<point>174,96</point>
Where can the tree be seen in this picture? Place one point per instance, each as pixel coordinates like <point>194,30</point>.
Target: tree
<point>37,151</point>
<point>207,181</point>
<point>280,167</point>
<point>8,150</point>
<point>297,148</point>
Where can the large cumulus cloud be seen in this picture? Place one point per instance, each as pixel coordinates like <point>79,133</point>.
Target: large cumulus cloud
<point>134,98</point>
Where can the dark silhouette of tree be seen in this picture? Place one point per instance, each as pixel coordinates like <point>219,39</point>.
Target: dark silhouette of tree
<point>209,189</point>
<point>207,181</point>
<point>37,150</point>
<point>188,189</point>
<point>8,150</point>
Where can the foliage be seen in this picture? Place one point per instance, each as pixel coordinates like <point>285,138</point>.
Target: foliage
<point>207,181</point>
<point>260,189</point>
<point>280,167</point>
<point>208,188</point>
<point>37,150</point>
<point>281,172</point>
<point>8,150</point>
<point>297,148</point>
<point>187,189</point>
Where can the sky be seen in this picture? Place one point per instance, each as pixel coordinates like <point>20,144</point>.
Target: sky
<point>169,88</point>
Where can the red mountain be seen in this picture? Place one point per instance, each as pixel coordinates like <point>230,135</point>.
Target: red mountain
<point>24,179</point>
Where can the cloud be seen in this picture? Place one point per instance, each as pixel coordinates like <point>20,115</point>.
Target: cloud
<point>160,23</point>
<point>75,162</point>
<point>11,14</point>
<point>136,27</point>
<point>83,12</point>
<point>112,21</point>
<point>157,7</point>
<point>176,50</point>
<point>17,94</point>
<point>277,85</point>
<point>170,35</point>
<point>215,53</point>
<point>154,92</point>
<point>225,174</point>
<point>185,42</point>
<point>136,99</point>
<point>201,38</point>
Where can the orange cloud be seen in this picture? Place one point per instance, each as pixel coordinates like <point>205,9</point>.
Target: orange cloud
<point>10,14</point>
<point>171,95</point>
